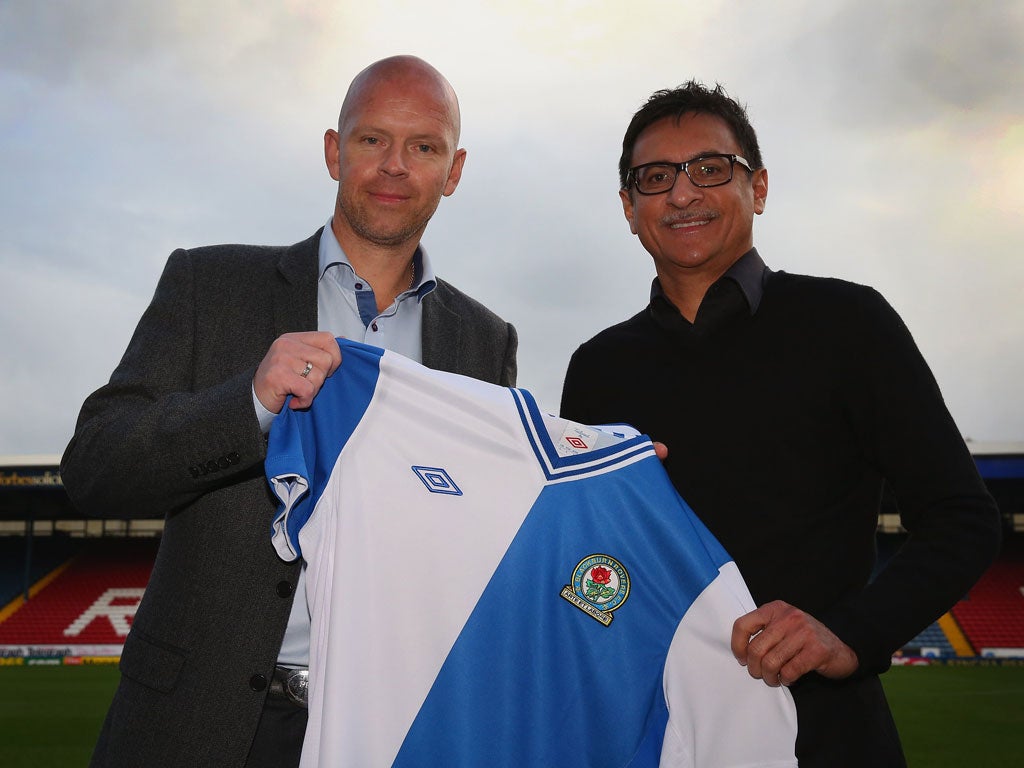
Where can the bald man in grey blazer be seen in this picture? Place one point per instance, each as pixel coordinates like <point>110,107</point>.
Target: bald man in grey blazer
<point>180,429</point>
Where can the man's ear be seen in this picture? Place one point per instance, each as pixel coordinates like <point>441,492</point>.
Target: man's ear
<point>332,153</point>
<point>759,182</point>
<point>455,174</point>
<point>627,208</point>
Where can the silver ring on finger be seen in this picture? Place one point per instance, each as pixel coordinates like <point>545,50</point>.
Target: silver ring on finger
<point>306,370</point>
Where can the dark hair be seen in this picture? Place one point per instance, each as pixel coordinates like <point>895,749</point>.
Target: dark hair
<point>691,96</point>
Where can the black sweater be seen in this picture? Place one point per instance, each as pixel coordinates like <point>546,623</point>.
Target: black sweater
<point>782,425</point>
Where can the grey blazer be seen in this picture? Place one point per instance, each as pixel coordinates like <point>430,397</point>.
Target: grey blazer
<point>174,434</point>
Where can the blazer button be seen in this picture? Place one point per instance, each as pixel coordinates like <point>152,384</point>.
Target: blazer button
<point>284,589</point>
<point>257,682</point>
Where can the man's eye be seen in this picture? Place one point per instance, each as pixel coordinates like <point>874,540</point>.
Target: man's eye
<point>424,148</point>
<point>710,170</point>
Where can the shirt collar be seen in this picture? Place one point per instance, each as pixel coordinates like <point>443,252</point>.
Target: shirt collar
<point>749,272</point>
<point>331,255</point>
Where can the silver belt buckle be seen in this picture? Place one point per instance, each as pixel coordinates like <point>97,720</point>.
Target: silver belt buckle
<point>296,686</point>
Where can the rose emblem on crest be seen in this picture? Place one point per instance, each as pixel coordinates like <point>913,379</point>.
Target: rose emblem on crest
<point>597,586</point>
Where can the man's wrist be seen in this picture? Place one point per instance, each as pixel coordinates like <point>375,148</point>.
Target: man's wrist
<point>264,416</point>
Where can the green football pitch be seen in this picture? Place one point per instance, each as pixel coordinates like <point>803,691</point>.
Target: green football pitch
<point>947,715</point>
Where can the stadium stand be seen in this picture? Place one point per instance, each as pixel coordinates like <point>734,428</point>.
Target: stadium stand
<point>46,554</point>
<point>931,642</point>
<point>992,615</point>
<point>89,601</point>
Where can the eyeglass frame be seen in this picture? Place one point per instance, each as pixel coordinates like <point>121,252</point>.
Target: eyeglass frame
<point>685,168</point>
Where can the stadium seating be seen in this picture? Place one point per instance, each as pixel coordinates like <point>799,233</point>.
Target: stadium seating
<point>47,552</point>
<point>992,615</point>
<point>931,642</point>
<point>90,602</point>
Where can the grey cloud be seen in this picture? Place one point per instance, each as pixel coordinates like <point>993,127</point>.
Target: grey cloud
<point>64,40</point>
<point>910,62</point>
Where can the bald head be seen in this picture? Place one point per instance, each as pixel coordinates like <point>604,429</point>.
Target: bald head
<point>408,74</point>
<point>395,155</point>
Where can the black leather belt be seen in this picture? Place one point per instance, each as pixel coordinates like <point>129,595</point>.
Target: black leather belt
<point>292,684</point>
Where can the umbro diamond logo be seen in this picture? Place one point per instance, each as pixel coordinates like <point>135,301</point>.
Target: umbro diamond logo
<point>437,480</point>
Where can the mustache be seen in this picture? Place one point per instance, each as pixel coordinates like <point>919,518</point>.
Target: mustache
<point>682,217</point>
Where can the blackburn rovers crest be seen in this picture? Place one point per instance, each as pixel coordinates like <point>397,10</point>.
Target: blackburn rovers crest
<point>600,585</point>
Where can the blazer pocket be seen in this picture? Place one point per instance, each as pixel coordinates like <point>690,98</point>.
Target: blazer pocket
<point>151,663</point>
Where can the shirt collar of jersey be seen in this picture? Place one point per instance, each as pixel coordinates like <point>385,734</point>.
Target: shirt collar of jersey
<point>332,256</point>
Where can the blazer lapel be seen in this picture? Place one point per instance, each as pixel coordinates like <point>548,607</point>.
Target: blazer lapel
<point>442,328</point>
<point>295,299</point>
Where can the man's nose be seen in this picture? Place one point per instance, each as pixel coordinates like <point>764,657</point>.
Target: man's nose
<point>395,162</point>
<point>683,191</point>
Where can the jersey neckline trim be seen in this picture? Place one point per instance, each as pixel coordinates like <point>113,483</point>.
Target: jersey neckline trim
<point>561,468</point>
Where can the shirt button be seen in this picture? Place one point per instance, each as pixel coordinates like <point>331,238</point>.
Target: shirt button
<point>284,589</point>
<point>257,682</point>
<point>359,286</point>
<point>374,326</point>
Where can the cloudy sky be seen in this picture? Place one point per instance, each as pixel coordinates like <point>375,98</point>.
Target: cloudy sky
<point>893,133</point>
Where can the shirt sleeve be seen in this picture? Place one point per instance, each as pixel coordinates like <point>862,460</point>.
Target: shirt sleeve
<point>907,433</point>
<point>719,715</point>
<point>264,416</point>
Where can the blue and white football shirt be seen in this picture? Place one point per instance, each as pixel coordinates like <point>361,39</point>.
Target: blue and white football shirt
<point>490,586</point>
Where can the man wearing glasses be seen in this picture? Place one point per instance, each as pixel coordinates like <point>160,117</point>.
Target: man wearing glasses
<point>787,402</point>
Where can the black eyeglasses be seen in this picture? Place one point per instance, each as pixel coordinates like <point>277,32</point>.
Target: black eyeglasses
<point>704,171</point>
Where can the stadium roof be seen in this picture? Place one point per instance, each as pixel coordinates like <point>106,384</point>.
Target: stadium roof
<point>31,489</point>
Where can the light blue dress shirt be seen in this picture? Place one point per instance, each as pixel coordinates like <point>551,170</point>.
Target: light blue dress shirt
<point>347,306</point>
